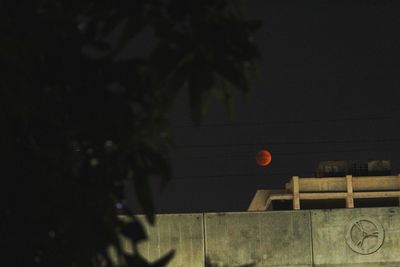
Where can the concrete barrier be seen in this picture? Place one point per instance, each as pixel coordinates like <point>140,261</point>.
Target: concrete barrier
<point>180,232</point>
<point>258,239</point>
<point>356,237</point>
<point>359,237</point>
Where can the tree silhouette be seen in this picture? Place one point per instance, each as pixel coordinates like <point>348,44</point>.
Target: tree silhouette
<point>80,117</point>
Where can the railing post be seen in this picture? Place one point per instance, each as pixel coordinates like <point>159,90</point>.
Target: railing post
<point>296,193</point>
<point>349,198</point>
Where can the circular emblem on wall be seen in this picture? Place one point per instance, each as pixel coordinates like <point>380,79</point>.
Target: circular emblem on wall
<point>364,235</point>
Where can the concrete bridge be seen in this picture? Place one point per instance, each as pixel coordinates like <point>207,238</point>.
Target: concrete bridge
<point>333,237</point>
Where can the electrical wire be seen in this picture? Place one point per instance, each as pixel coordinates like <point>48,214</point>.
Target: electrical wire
<point>312,121</point>
<point>251,154</point>
<point>228,176</point>
<point>383,140</point>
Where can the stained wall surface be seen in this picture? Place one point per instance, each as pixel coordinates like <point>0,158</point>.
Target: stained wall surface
<point>337,237</point>
<point>258,238</point>
<point>183,233</point>
<point>356,237</point>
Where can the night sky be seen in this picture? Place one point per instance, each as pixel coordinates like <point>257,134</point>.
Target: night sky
<point>327,88</point>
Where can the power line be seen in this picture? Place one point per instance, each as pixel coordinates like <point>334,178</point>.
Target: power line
<point>352,119</point>
<point>250,154</point>
<point>227,176</point>
<point>295,143</point>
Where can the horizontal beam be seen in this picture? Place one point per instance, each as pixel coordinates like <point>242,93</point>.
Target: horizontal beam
<point>377,194</point>
<point>309,196</point>
<point>337,195</point>
<point>282,197</point>
<point>338,184</point>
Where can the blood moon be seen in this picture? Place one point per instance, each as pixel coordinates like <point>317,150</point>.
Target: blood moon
<point>263,157</point>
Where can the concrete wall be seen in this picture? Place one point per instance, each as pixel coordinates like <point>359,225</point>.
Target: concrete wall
<point>258,238</point>
<point>338,237</point>
<point>183,233</point>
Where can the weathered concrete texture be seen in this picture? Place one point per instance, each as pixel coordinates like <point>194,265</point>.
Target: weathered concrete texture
<point>259,238</point>
<point>356,237</point>
<point>180,232</point>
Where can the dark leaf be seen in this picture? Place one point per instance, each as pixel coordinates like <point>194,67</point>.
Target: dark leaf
<point>200,84</point>
<point>133,25</point>
<point>234,73</point>
<point>144,194</point>
<point>136,260</point>
<point>253,25</point>
<point>134,231</point>
<point>160,165</point>
<point>164,260</point>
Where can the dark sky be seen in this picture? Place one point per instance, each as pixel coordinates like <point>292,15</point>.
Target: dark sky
<point>327,88</point>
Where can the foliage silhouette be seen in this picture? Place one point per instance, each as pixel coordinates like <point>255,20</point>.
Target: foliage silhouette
<point>80,117</point>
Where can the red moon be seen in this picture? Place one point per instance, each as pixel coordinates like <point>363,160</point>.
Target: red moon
<point>263,157</point>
